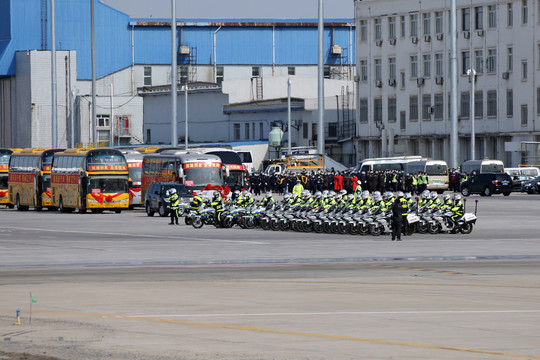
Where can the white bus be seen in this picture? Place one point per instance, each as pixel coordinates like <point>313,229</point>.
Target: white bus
<point>436,171</point>
<point>397,163</point>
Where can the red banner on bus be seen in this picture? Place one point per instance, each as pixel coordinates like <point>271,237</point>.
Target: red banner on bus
<point>201,165</point>
<point>21,178</point>
<point>65,179</point>
<point>235,167</point>
<point>4,167</point>
<point>135,164</point>
<point>107,168</point>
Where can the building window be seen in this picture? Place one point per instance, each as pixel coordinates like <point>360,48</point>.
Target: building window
<point>291,70</point>
<point>363,110</point>
<point>466,19</point>
<point>253,131</point>
<point>479,61</point>
<point>402,75</point>
<point>122,124</point>
<point>148,136</point>
<point>363,71</point>
<point>491,61</point>
<point>103,120</point>
<point>147,76</point>
<point>465,62</point>
<point>509,15</point>
<point>492,16</point>
<point>492,103</point>
<point>392,27</point>
<point>219,74</point>
<point>305,128</point>
<point>402,26</point>
<point>392,110</point>
<point>509,103</point>
<point>377,106</point>
<point>438,106</point>
<point>327,72</point>
<point>524,115</point>
<point>236,131</point>
<point>103,128</point>
<point>538,51</point>
<point>414,25</point>
<point>184,74</point>
<point>392,68</point>
<point>510,58</point>
<point>479,104</point>
<point>261,131</point>
<point>439,25</point>
<point>378,69</point>
<point>402,120</point>
<point>413,107</point>
<point>426,107</point>
<point>427,65</point>
<point>439,66</point>
<point>332,130</point>
<point>524,69</point>
<point>524,12</point>
<point>255,71</point>
<point>363,30</point>
<point>414,66</point>
<point>479,18</point>
<point>246,132</point>
<point>537,101</point>
<point>426,17</point>
<point>378,29</point>
<point>465,104</point>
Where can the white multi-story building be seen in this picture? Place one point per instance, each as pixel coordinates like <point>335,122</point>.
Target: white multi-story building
<point>403,78</point>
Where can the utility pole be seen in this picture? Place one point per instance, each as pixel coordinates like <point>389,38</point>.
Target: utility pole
<point>471,73</point>
<point>174,85</point>
<point>94,124</point>
<point>54,121</point>
<point>320,127</point>
<point>289,130</point>
<point>454,87</point>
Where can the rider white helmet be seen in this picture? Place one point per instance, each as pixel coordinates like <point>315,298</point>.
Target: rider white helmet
<point>408,196</point>
<point>446,197</point>
<point>342,192</point>
<point>350,197</point>
<point>268,194</point>
<point>457,197</point>
<point>172,191</point>
<point>318,195</point>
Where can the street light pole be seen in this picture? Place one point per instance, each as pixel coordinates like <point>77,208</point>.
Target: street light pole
<point>454,136</point>
<point>320,127</point>
<point>471,73</point>
<point>289,116</point>
<point>174,86</point>
<point>186,105</point>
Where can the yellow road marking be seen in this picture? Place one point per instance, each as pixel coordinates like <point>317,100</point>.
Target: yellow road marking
<point>297,333</point>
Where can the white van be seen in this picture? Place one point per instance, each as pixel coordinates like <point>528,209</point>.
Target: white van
<point>482,166</point>
<point>530,170</point>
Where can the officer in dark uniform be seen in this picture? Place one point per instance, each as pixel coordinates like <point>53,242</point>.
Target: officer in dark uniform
<point>217,204</point>
<point>400,208</point>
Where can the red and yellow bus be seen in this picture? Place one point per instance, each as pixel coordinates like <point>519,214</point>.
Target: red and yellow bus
<point>30,178</point>
<point>96,179</point>
<point>195,171</point>
<point>134,161</point>
<point>5,155</point>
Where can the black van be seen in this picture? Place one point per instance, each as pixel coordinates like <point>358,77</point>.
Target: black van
<point>486,184</point>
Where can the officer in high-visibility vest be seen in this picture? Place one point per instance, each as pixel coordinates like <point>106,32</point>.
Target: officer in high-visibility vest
<point>174,203</point>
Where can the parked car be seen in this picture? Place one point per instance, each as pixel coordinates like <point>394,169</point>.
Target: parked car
<point>531,186</point>
<point>157,197</point>
<point>487,184</point>
<point>520,179</point>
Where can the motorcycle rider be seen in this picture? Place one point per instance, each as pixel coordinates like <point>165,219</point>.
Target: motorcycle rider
<point>448,203</point>
<point>174,203</point>
<point>217,204</point>
<point>268,201</point>
<point>196,202</point>
<point>458,208</point>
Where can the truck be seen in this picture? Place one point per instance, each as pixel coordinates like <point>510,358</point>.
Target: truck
<point>297,163</point>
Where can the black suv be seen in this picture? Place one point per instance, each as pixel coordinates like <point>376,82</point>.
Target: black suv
<point>486,184</point>
<point>157,198</point>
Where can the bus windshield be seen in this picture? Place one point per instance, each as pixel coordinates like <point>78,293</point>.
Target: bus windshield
<point>386,167</point>
<point>4,159</point>
<point>235,177</point>
<point>202,176</point>
<point>4,181</point>
<point>135,174</point>
<point>107,184</point>
<point>106,159</point>
<point>436,169</point>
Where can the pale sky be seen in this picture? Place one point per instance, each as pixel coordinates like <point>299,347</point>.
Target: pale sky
<point>212,9</point>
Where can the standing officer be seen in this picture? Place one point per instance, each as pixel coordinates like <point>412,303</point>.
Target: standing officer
<point>400,208</point>
<point>173,205</point>
<point>217,203</point>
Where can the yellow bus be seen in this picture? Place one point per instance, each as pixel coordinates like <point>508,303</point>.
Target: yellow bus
<point>30,178</point>
<point>5,155</point>
<point>96,179</point>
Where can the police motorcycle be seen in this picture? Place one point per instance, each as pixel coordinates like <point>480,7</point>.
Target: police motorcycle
<point>206,216</point>
<point>232,215</point>
<point>463,225</point>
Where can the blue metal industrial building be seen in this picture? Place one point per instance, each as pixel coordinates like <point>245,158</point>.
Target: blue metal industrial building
<point>134,53</point>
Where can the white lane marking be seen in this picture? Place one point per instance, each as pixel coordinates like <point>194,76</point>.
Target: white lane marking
<point>442,312</point>
<point>144,235</point>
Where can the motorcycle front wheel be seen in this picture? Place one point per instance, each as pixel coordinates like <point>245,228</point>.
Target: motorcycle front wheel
<point>188,220</point>
<point>363,229</point>
<point>375,229</point>
<point>265,224</point>
<point>434,228</point>
<point>422,228</point>
<point>197,223</point>
<point>466,228</point>
<point>318,227</point>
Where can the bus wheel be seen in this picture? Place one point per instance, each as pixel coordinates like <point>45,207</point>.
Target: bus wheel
<point>97,211</point>
<point>82,211</point>
<point>117,211</point>
<point>38,208</point>
<point>19,206</point>
<point>61,206</point>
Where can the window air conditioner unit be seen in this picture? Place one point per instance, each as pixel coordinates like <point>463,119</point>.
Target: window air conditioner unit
<point>480,32</point>
<point>378,83</point>
<point>336,50</point>
<point>392,41</point>
<point>184,50</point>
<point>505,75</point>
<point>466,34</point>
<point>392,82</point>
<point>427,38</point>
<point>414,39</point>
<point>420,81</point>
<point>430,109</point>
<point>440,36</point>
<point>378,42</point>
<point>439,80</point>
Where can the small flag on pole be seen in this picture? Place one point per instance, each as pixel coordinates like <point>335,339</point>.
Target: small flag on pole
<point>32,299</point>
